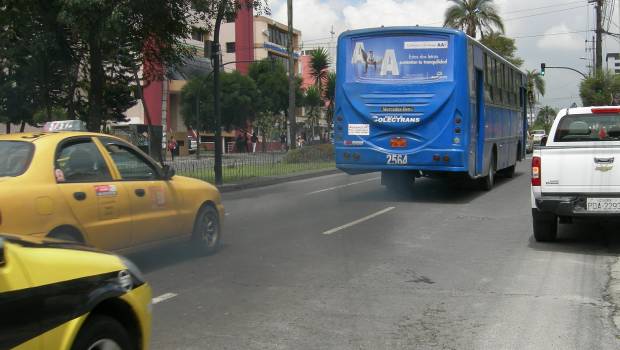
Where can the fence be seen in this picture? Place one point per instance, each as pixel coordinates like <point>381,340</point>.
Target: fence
<point>256,166</point>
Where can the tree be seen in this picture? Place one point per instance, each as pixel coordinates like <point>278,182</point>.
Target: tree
<point>272,87</point>
<point>118,37</point>
<point>503,46</point>
<point>319,65</point>
<point>215,11</point>
<point>330,96</point>
<point>535,88</point>
<point>600,90</point>
<point>83,55</point>
<point>239,102</point>
<point>35,57</point>
<point>473,16</point>
<point>272,84</point>
<point>313,101</point>
<point>544,118</point>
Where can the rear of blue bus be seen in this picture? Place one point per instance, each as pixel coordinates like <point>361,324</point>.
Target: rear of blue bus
<point>402,101</point>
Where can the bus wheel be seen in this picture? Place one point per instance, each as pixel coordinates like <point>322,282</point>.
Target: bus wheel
<point>508,172</point>
<point>487,182</point>
<point>397,181</point>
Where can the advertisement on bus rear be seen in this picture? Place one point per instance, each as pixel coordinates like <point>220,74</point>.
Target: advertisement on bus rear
<point>412,58</point>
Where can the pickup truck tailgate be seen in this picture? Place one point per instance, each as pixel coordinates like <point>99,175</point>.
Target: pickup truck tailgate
<point>580,169</point>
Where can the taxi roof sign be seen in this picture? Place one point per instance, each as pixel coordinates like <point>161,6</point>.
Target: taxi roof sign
<point>65,125</point>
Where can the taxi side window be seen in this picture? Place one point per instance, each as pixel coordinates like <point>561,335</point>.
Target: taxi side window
<point>80,161</point>
<point>131,165</point>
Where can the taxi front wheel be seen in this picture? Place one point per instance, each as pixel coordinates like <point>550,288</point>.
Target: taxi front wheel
<point>102,333</point>
<point>207,230</point>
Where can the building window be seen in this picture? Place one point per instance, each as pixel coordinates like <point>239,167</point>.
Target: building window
<point>230,47</point>
<point>198,34</point>
<point>278,36</point>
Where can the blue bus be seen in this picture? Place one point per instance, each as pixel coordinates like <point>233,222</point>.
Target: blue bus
<point>416,101</point>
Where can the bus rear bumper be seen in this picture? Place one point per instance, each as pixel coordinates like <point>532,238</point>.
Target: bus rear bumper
<point>352,159</point>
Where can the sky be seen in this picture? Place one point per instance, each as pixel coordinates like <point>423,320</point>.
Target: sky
<point>550,31</point>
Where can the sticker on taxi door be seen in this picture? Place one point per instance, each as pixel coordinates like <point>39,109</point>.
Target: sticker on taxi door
<point>105,190</point>
<point>158,196</point>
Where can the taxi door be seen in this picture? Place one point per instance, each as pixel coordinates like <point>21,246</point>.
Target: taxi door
<point>153,201</point>
<point>18,329</point>
<point>98,203</point>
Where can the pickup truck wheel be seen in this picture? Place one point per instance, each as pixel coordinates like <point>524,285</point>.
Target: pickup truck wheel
<point>545,226</point>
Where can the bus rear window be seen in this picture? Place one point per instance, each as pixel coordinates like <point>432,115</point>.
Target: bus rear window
<point>408,59</point>
<point>588,127</point>
<point>15,157</point>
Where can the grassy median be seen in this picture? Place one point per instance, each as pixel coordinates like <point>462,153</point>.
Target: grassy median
<point>237,173</point>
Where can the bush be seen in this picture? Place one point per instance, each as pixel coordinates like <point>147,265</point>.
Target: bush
<point>308,154</point>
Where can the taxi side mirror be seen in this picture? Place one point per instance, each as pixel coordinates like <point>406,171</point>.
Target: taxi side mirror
<point>168,172</point>
<point>2,259</point>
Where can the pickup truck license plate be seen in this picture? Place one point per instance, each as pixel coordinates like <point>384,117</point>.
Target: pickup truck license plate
<point>604,204</point>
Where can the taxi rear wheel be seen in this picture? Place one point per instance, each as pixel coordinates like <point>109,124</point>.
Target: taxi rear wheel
<point>102,333</point>
<point>66,233</point>
<point>207,231</point>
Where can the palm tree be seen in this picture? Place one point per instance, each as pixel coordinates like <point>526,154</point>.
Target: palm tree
<point>313,101</point>
<point>330,96</point>
<point>319,64</point>
<point>472,16</point>
<point>545,116</point>
<point>535,88</point>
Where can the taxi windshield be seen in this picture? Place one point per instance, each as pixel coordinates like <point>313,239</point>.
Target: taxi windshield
<point>14,157</point>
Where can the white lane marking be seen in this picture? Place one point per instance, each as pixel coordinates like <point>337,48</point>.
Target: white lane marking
<point>226,214</point>
<point>342,186</point>
<point>163,297</point>
<point>352,223</point>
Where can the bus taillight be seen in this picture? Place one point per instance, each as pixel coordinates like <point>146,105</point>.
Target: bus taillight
<point>536,171</point>
<point>398,142</point>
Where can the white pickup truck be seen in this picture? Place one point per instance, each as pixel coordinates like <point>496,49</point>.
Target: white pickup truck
<point>575,171</point>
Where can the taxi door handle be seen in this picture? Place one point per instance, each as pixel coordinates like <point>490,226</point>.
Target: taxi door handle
<point>80,196</point>
<point>140,192</point>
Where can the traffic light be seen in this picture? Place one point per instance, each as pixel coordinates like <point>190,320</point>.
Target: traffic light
<point>542,69</point>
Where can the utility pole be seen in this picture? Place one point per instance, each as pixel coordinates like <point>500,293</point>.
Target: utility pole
<point>217,167</point>
<point>599,36</point>
<point>291,78</point>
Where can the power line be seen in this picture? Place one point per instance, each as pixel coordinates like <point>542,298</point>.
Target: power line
<point>549,34</point>
<point>547,6</point>
<point>545,13</point>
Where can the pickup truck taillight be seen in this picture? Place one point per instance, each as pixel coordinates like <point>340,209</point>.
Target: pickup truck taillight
<point>536,171</point>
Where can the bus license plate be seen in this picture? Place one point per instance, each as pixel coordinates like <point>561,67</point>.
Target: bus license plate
<point>604,204</point>
<point>396,159</point>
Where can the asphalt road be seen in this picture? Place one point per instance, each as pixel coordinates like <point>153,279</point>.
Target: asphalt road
<point>338,263</point>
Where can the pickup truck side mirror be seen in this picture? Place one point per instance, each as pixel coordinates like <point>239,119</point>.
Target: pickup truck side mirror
<point>168,172</point>
<point>543,141</point>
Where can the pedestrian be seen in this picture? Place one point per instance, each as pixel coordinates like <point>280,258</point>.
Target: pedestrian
<point>283,142</point>
<point>172,146</point>
<point>239,143</point>
<point>246,142</point>
<point>254,141</point>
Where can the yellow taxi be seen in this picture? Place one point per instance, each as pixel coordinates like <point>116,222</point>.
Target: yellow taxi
<point>59,295</point>
<point>102,191</point>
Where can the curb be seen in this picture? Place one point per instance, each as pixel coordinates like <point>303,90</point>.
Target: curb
<point>268,181</point>
<point>613,290</point>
